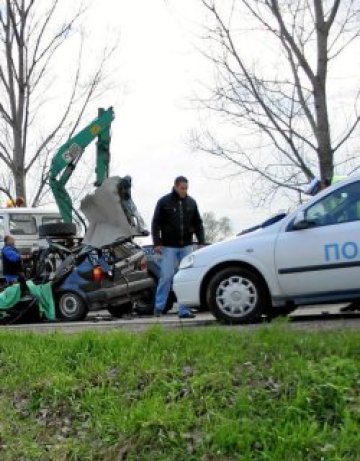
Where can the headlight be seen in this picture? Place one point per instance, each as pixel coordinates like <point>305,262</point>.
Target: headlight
<point>187,262</point>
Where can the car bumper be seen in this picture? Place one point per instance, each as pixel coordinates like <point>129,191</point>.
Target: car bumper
<point>120,292</point>
<point>187,283</point>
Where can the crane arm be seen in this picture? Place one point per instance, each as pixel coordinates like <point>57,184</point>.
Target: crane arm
<point>68,155</point>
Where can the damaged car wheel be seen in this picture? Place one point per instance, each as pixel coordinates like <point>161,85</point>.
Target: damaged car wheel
<point>70,307</point>
<point>145,304</point>
<point>120,310</point>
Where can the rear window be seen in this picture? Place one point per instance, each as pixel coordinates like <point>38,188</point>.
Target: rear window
<point>50,219</point>
<point>22,224</point>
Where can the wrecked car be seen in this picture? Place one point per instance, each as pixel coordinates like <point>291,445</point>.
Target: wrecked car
<point>105,269</point>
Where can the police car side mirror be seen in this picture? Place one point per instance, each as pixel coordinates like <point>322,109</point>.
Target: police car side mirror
<point>301,222</point>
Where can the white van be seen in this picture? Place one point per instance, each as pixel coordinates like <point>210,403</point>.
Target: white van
<point>23,224</point>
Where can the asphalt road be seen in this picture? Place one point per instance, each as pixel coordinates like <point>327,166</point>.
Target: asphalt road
<point>309,318</point>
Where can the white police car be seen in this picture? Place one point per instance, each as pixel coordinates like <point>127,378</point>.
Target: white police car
<point>311,256</point>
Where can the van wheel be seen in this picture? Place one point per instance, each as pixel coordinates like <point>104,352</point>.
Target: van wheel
<point>236,295</point>
<point>70,307</point>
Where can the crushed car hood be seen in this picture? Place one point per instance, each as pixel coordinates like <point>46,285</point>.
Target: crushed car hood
<point>111,213</point>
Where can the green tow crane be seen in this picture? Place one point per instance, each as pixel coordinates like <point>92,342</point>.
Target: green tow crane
<point>67,157</point>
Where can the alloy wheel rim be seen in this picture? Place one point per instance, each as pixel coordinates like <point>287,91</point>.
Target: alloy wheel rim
<point>236,296</point>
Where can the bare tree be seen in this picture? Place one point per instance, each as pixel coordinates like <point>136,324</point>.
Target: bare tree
<point>216,229</point>
<point>281,99</point>
<point>32,33</point>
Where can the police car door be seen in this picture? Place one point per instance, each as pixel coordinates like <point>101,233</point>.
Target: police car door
<point>324,257</point>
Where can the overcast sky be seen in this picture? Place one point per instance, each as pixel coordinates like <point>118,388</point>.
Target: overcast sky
<point>158,71</point>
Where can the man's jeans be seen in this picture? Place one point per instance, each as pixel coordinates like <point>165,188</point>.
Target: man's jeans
<point>170,261</point>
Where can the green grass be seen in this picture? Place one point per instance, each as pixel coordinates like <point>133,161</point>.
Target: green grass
<point>208,395</point>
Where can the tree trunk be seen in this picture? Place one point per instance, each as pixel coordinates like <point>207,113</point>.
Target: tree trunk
<point>20,189</point>
<point>19,170</point>
<point>323,137</point>
<point>325,151</point>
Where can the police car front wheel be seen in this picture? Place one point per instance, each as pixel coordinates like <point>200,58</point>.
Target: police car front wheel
<point>236,295</point>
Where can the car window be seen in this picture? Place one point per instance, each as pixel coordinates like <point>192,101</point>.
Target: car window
<point>50,219</point>
<point>22,224</point>
<point>342,205</point>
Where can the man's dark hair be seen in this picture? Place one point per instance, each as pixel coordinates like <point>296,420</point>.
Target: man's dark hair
<point>180,179</point>
<point>6,239</point>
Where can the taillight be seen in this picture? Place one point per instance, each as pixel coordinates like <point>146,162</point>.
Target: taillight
<point>143,264</point>
<point>98,274</point>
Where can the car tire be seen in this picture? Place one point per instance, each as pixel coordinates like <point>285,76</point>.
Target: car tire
<point>70,307</point>
<point>59,229</point>
<point>120,310</point>
<point>170,301</point>
<point>146,302</point>
<point>236,295</point>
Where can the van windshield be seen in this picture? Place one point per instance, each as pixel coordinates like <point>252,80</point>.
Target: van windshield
<point>22,224</point>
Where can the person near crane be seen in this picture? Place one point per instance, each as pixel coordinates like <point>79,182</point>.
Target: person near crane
<point>12,260</point>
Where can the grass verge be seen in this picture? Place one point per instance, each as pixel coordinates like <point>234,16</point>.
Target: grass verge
<point>212,394</point>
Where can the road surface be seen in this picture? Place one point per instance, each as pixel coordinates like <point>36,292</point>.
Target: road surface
<point>309,318</point>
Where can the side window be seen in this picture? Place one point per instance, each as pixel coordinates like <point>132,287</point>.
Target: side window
<point>22,224</point>
<point>342,205</point>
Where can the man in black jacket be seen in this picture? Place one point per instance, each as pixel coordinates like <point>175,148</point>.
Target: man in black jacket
<point>176,219</point>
